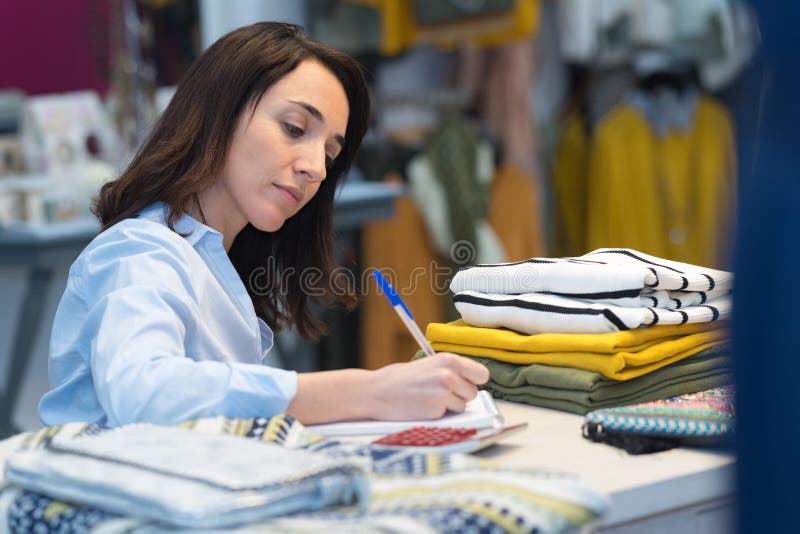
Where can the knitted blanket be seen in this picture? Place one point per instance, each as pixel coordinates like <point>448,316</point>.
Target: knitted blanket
<point>409,492</point>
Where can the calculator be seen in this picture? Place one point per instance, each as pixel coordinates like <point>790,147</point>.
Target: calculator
<point>443,440</point>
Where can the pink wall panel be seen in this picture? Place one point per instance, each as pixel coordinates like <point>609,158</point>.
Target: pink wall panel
<point>49,46</point>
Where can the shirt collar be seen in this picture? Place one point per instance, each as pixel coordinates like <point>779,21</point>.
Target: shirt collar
<point>192,229</point>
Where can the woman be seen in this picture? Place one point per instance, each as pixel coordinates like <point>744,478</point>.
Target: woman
<point>164,317</point>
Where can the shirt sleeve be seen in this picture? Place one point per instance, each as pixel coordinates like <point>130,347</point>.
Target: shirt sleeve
<point>141,306</point>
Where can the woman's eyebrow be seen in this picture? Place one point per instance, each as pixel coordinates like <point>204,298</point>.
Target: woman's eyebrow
<point>317,114</point>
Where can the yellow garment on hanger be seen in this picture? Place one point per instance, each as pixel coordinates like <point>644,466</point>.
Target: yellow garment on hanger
<point>672,196</point>
<point>617,355</point>
<point>570,170</point>
<point>400,31</point>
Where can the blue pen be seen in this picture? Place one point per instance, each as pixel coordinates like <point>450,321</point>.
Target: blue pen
<point>403,311</point>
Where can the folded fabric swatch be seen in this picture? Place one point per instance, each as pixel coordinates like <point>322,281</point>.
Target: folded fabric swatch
<point>624,277</point>
<point>578,391</point>
<point>701,418</point>
<point>536,313</point>
<point>509,375</point>
<point>617,355</point>
<point>664,390</point>
<point>630,340</point>
<point>409,491</point>
<point>180,477</point>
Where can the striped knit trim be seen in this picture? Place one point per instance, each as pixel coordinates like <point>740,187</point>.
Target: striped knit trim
<point>643,260</point>
<point>714,312</point>
<point>536,306</point>
<point>522,262</point>
<point>622,293</point>
<point>581,261</point>
<point>711,282</point>
<point>655,273</point>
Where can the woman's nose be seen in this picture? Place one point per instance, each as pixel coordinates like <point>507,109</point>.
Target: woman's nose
<point>312,165</point>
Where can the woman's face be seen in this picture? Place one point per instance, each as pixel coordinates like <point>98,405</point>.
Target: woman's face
<point>280,151</point>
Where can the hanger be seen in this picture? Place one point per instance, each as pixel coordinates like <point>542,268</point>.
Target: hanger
<point>657,69</point>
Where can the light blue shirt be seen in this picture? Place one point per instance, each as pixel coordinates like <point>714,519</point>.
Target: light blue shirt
<point>157,327</point>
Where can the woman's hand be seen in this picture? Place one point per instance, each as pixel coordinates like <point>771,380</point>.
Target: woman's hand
<point>422,389</point>
<point>425,388</point>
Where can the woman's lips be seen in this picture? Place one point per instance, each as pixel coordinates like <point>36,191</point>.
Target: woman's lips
<point>292,194</point>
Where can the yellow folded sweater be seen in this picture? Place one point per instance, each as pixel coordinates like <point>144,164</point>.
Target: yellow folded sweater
<point>617,355</point>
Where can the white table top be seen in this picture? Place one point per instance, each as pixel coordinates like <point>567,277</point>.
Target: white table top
<point>639,485</point>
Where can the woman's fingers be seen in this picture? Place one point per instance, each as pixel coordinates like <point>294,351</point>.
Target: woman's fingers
<point>475,372</point>
<point>463,389</point>
<point>471,370</point>
<point>457,377</point>
<point>456,404</point>
<point>427,387</point>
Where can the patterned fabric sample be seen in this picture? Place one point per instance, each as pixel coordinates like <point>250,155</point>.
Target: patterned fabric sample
<point>706,415</point>
<point>178,476</point>
<point>410,492</point>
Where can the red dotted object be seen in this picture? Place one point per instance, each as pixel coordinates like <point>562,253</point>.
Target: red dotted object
<point>427,436</point>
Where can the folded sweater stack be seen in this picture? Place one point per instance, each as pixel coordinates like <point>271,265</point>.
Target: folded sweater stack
<point>603,291</point>
<point>609,328</point>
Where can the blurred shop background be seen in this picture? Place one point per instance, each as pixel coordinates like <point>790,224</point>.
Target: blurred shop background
<point>502,130</point>
<point>518,128</point>
<point>514,128</point>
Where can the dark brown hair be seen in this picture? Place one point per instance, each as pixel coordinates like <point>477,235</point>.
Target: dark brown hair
<point>187,148</point>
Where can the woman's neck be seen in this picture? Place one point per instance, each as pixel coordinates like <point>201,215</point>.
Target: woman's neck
<point>209,208</point>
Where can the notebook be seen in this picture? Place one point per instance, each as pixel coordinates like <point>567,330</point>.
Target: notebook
<point>481,412</point>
